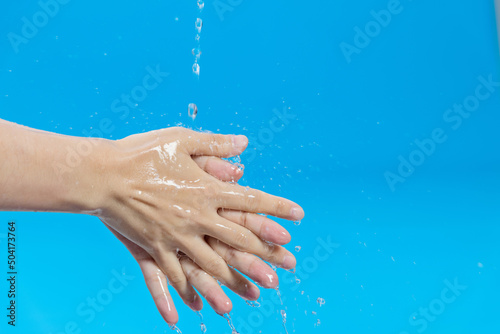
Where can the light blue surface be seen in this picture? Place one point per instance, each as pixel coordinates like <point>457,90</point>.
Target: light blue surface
<point>394,252</point>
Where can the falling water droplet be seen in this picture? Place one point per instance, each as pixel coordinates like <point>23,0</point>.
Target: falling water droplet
<point>230,323</point>
<point>201,4</point>
<point>297,223</point>
<point>196,68</point>
<point>252,303</point>
<point>318,322</point>
<point>320,301</point>
<point>297,280</point>
<point>202,325</point>
<point>174,328</point>
<point>283,316</point>
<point>192,110</point>
<point>196,52</point>
<point>298,248</point>
<point>198,24</point>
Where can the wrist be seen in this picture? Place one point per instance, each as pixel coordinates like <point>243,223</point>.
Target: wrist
<point>87,187</point>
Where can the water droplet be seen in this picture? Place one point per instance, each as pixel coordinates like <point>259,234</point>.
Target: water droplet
<point>198,24</point>
<point>196,68</point>
<point>192,110</point>
<point>202,325</point>
<point>252,303</point>
<point>201,4</point>
<point>196,52</point>
<point>283,316</point>
<point>318,322</point>
<point>297,280</point>
<point>297,223</point>
<point>298,248</point>
<point>174,328</point>
<point>320,301</point>
<point>230,323</point>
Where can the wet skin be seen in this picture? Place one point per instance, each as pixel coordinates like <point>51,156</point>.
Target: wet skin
<point>168,196</point>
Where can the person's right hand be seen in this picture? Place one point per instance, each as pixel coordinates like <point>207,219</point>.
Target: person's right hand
<point>173,215</point>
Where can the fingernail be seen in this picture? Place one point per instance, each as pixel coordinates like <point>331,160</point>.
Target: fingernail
<point>297,213</point>
<point>289,262</point>
<point>240,142</point>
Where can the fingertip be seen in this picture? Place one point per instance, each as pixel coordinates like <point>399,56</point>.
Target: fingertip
<point>289,262</point>
<point>197,304</point>
<point>170,316</point>
<point>223,307</point>
<point>240,142</point>
<point>253,293</point>
<point>297,213</point>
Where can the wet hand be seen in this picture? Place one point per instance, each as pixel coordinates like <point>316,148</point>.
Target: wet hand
<point>176,218</point>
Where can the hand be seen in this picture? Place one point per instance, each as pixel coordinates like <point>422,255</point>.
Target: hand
<point>169,213</point>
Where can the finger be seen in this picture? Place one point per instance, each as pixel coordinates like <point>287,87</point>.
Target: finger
<point>246,263</point>
<point>214,144</point>
<point>246,199</point>
<point>219,168</point>
<point>169,264</point>
<point>244,240</point>
<point>158,288</point>
<point>154,278</point>
<point>207,286</point>
<point>261,226</point>
<point>213,264</point>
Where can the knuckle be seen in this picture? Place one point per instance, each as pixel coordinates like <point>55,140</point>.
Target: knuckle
<point>194,274</point>
<point>215,266</point>
<point>230,255</point>
<point>176,279</point>
<point>244,219</point>
<point>281,207</point>
<point>270,251</point>
<point>242,239</point>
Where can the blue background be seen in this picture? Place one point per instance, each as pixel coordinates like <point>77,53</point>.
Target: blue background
<point>394,248</point>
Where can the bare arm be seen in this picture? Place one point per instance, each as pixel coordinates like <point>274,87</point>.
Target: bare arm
<point>44,171</point>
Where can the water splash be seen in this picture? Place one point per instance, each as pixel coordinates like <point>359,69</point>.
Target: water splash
<point>202,325</point>
<point>174,328</point>
<point>192,110</point>
<point>230,323</point>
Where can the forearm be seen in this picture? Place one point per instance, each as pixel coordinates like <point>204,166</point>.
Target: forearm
<point>44,171</point>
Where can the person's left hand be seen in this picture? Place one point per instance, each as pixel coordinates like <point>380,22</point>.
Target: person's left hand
<point>207,286</point>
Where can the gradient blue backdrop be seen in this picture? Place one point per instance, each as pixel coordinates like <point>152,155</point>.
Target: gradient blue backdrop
<point>393,250</point>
